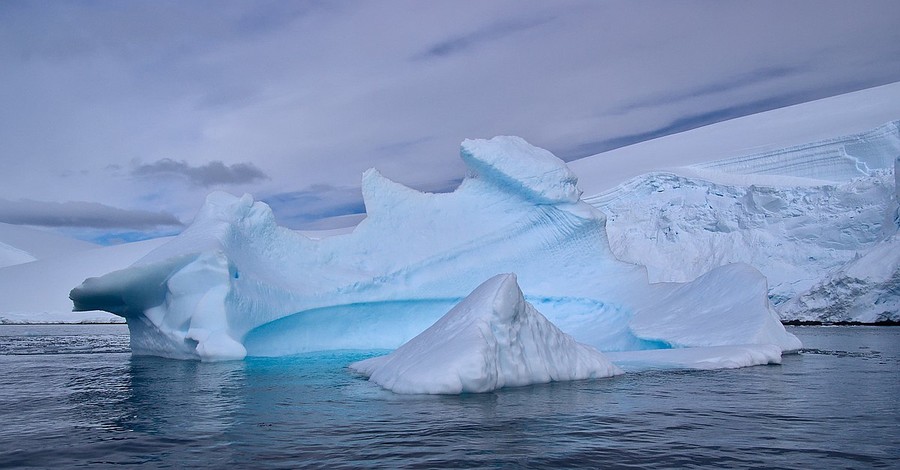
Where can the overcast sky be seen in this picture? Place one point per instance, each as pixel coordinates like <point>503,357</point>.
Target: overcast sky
<point>118,117</point>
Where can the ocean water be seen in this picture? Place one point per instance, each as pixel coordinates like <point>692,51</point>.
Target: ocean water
<point>73,396</point>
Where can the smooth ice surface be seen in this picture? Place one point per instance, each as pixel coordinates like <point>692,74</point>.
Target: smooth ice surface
<point>492,339</point>
<point>805,234</point>
<point>234,283</point>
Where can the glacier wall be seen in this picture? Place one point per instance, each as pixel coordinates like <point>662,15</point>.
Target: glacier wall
<point>799,215</point>
<point>866,288</point>
<point>234,283</point>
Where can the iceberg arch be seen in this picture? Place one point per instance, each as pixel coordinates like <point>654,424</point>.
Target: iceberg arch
<point>234,283</point>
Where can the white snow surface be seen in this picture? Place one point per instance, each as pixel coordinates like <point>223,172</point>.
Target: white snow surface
<point>492,339</point>
<point>757,134</point>
<point>235,284</point>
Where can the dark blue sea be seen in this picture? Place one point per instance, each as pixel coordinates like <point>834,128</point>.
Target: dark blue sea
<point>73,396</point>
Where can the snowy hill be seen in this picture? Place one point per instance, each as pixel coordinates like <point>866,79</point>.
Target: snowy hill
<point>811,216</point>
<point>20,244</point>
<point>815,121</point>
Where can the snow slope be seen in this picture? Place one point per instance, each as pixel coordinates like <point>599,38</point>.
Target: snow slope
<point>236,284</point>
<point>814,121</point>
<point>20,244</point>
<point>37,291</point>
<point>492,339</point>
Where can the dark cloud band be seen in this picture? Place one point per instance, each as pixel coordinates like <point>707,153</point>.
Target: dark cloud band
<point>81,214</point>
<point>213,173</point>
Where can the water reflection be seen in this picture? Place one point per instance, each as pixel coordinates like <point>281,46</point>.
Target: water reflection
<point>182,397</point>
<point>831,405</point>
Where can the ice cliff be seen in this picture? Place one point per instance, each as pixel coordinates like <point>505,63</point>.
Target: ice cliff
<point>817,219</point>
<point>865,289</point>
<point>235,284</point>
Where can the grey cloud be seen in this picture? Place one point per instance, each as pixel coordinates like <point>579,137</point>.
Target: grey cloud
<point>214,172</point>
<point>492,32</point>
<point>317,92</point>
<point>745,79</point>
<point>158,29</point>
<point>405,145</point>
<point>80,214</point>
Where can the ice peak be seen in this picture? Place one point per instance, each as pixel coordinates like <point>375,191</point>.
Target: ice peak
<point>381,193</point>
<point>510,161</point>
<point>492,339</point>
<point>222,206</point>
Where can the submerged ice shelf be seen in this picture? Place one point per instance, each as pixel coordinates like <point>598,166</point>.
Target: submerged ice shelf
<point>235,284</point>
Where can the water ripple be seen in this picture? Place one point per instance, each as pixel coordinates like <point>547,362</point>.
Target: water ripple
<point>80,400</point>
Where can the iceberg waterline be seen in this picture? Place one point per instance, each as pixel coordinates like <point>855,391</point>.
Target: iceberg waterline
<point>235,284</point>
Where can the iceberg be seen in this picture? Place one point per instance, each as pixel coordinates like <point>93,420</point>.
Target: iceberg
<point>492,339</point>
<point>235,284</point>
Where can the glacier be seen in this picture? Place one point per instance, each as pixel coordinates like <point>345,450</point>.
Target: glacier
<point>235,284</point>
<point>865,289</point>
<point>816,219</point>
<point>492,339</point>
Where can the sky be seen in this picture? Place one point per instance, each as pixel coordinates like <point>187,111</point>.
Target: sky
<point>119,117</point>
